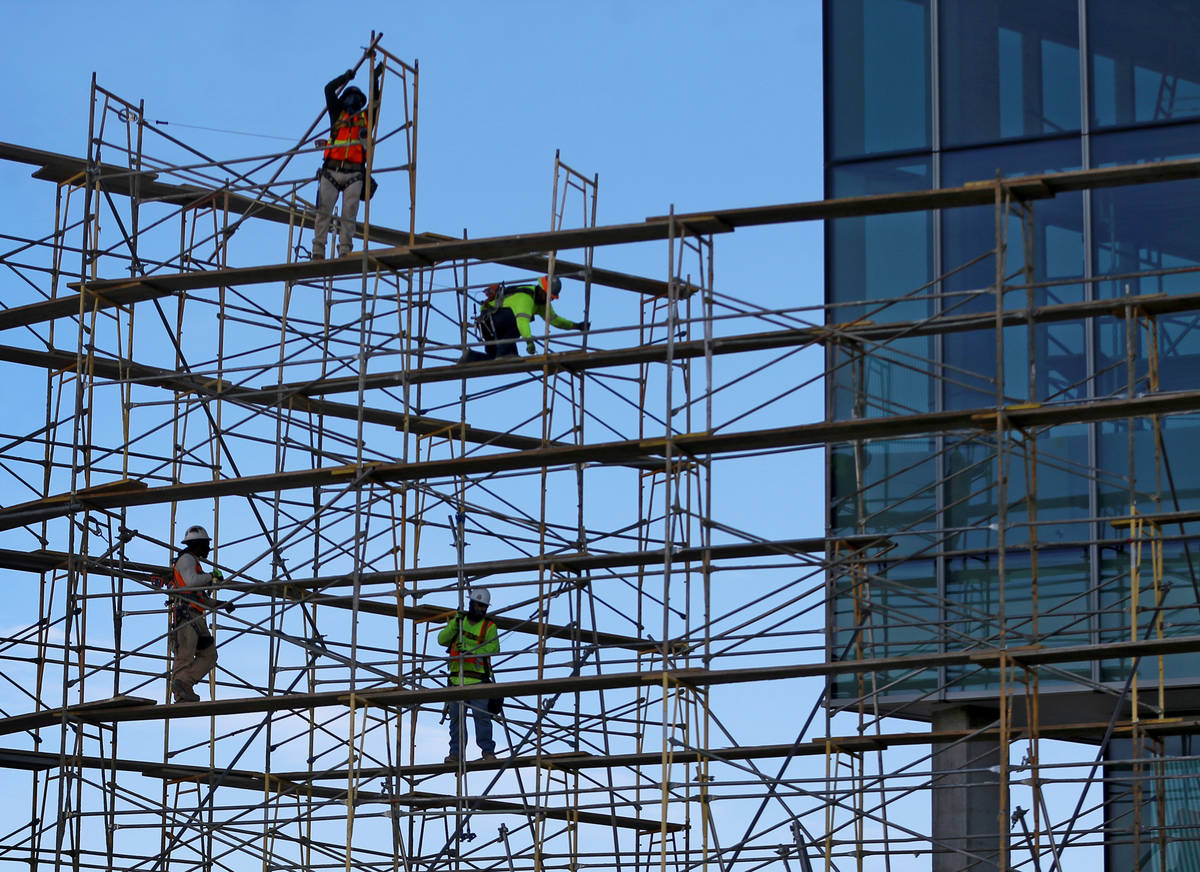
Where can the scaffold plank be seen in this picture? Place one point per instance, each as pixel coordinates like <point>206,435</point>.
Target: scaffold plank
<point>242,779</point>
<point>47,560</point>
<point>61,169</point>
<point>113,292</point>
<point>201,385</point>
<point>1030,656</point>
<point>977,193</point>
<point>621,452</point>
<point>864,331</point>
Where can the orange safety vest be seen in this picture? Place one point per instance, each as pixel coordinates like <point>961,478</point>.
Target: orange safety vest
<point>469,666</point>
<point>351,131</point>
<point>197,599</point>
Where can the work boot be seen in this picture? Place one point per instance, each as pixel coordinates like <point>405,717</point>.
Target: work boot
<point>183,693</point>
<point>451,760</point>
<point>318,253</point>
<point>343,250</point>
<point>487,755</point>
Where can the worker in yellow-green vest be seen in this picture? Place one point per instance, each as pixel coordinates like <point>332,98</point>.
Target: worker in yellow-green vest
<point>506,313</point>
<point>471,639</point>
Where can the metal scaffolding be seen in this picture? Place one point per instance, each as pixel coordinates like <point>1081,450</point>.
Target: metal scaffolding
<point>688,681</point>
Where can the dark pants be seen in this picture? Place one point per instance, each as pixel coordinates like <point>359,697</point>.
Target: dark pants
<point>499,329</point>
<point>458,726</point>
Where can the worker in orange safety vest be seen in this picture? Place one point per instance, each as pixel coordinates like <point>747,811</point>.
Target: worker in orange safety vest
<point>191,600</point>
<point>344,169</point>
<point>471,640</point>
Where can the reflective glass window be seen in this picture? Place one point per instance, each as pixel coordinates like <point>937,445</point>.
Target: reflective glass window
<point>1143,238</point>
<point>1055,256</point>
<point>973,606</point>
<point>892,378</point>
<point>880,257</point>
<point>1119,621</point>
<point>1010,68</point>
<point>1144,61</point>
<point>882,266</point>
<point>883,486</point>
<point>877,77</point>
<point>1146,227</point>
<point>1057,475</point>
<point>1152,792</point>
<point>1166,468</point>
<point>895,610</point>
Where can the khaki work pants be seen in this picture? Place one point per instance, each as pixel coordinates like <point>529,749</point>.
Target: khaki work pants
<point>333,183</point>
<point>195,654</point>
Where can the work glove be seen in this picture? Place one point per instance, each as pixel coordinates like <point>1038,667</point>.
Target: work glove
<point>379,69</point>
<point>345,77</point>
<point>228,607</point>
<point>529,347</point>
<point>583,326</point>
<point>217,574</point>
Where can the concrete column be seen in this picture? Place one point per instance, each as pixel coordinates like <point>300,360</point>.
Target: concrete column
<point>966,795</point>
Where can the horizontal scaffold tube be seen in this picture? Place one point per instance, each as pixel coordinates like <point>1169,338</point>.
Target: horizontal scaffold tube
<point>123,709</point>
<point>1026,416</point>
<point>118,292</point>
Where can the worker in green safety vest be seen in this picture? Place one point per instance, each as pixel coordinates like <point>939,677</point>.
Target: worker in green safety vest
<point>470,640</point>
<point>505,316</point>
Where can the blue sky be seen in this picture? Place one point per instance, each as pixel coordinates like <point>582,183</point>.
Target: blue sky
<point>704,104</point>
<point>699,105</point>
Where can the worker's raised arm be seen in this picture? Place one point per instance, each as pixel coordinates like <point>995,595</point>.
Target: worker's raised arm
<point>377,83</point>
<point>449,632</point>
<point>332,103</point>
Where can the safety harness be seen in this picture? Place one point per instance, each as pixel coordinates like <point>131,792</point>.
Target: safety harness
<point>348,136</point>
<point>472,667</point>
<point>200,600</point>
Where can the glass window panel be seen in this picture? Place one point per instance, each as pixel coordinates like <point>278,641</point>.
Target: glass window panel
<point>973,602</point>
<point>892,379</point>
<point>1146,227</point>
<point>897,608</point>
<point>897,492</point>
<point>1144,62</point>
<point>1166,477</point>
<point>1167,796</point>
<point>1057,472</point>
<point>1010,68</point>
<point>1181,608</point>
<point>877,76</point>
<point>1057,254</point>
<point>970,501</point>
<point>880,257</point>
<point>1058,222</point>
<point>1060,476</point>
<point>1176,363</point>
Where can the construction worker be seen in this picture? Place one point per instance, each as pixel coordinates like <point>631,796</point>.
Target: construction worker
<point>344,170</point>
<point>195,651</point>
<point>504,318</point>
<point>471,639</point>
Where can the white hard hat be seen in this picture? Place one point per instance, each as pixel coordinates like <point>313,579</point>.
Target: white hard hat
<point>481,595</point>
<point>196,534</point>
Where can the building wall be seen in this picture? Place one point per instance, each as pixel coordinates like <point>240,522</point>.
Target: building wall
<point>929,93</point>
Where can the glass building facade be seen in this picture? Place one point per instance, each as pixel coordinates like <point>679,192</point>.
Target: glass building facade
<point>937,93</point>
